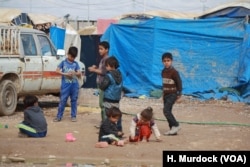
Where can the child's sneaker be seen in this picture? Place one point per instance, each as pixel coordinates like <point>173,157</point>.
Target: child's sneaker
<point>98,126</point>
<point>173,130</point>
<point>22,135</point>
<point>57,119</point>
<point>73,119</point>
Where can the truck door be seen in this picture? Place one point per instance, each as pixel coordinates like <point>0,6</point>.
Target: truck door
<point>51,80</point>
<point>32,73</point>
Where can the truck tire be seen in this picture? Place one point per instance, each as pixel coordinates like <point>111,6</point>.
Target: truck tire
<point>8,98</point>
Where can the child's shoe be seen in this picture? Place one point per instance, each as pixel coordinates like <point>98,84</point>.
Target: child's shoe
<point>56,119</point>
<point>174,130</point>
<point>73,119</point>
<point>22,135</point>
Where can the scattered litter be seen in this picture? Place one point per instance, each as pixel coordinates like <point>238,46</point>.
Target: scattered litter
<point>52,157</point>
<point>69,137</point>
<point>3,159</point>
<point>16,159</point>
<point>106,161</point>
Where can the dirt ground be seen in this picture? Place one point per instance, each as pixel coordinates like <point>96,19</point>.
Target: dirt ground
<point>205,125</point>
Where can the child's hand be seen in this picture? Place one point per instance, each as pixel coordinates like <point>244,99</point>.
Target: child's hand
<point>178,100</point>
<point>120,133</point>
<point>158,140</point>
<point>70,74</point>
<point>132,138</point>
<point>92,68</point>
<point>67,74</point>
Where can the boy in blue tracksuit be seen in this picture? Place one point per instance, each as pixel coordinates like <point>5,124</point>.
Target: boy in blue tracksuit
<point>112,86</point>
<point>70,71</point>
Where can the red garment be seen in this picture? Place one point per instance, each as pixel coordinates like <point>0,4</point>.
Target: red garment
<point>143,130</point>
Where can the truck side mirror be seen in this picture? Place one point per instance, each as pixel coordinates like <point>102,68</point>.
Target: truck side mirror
<point>60,52</point>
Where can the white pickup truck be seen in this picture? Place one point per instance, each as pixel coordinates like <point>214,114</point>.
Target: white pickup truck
<point>28,61</point>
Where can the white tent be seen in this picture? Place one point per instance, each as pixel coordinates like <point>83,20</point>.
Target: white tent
<point>72,38</point>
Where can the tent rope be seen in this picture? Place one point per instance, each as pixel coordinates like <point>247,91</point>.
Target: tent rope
<point>199,123</point>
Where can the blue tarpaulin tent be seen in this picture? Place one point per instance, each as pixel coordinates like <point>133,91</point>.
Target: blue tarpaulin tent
<point>212,55</point>
<point>57,35</point>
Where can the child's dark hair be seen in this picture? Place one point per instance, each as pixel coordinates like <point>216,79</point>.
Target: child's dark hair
<point>167,55</point>
<point>114,112</point>
<point>104,44</point>
<point>112,62</point>
<point>147,113</point>
<point>73,51</point>
<point>29,100</point>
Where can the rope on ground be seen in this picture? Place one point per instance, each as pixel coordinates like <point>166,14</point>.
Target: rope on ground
<point>200,123</point>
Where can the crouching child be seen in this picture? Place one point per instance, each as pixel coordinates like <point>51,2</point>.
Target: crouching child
<point>34,123</point>
<point>142,126</point>
<point>109,132</point>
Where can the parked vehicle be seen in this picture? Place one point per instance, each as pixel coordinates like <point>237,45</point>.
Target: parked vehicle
<point>28,61</point>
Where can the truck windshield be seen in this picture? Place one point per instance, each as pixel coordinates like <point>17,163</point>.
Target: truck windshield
<point>46,47</point>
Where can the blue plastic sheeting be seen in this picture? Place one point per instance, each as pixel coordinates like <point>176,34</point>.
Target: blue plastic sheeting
<point>209,54</point>
<point>57,35</point>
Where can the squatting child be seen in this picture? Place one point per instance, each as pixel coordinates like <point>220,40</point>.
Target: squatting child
<point>109,132</point>
<point>34,123</point>
<point>142,126</point>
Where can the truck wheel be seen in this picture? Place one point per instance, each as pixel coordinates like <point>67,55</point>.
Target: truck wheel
<point>8,98</point>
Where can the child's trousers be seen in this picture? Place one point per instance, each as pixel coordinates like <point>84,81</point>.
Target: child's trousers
<point>169,101</point>
<point>68,90</point>
<point>144,132</point>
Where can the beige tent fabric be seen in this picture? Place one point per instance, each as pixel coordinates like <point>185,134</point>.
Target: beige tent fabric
<point>72,38</point>
<point>182,15</point>
<point>42,18</point>
<point>4,24</point>
<point>88,30</point>
<point>239,3</point>
<point>8,14</point>
<point>164,14</point>
<point>173,15</point>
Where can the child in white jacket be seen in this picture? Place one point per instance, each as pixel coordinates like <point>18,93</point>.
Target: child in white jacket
<point>142,127</point>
